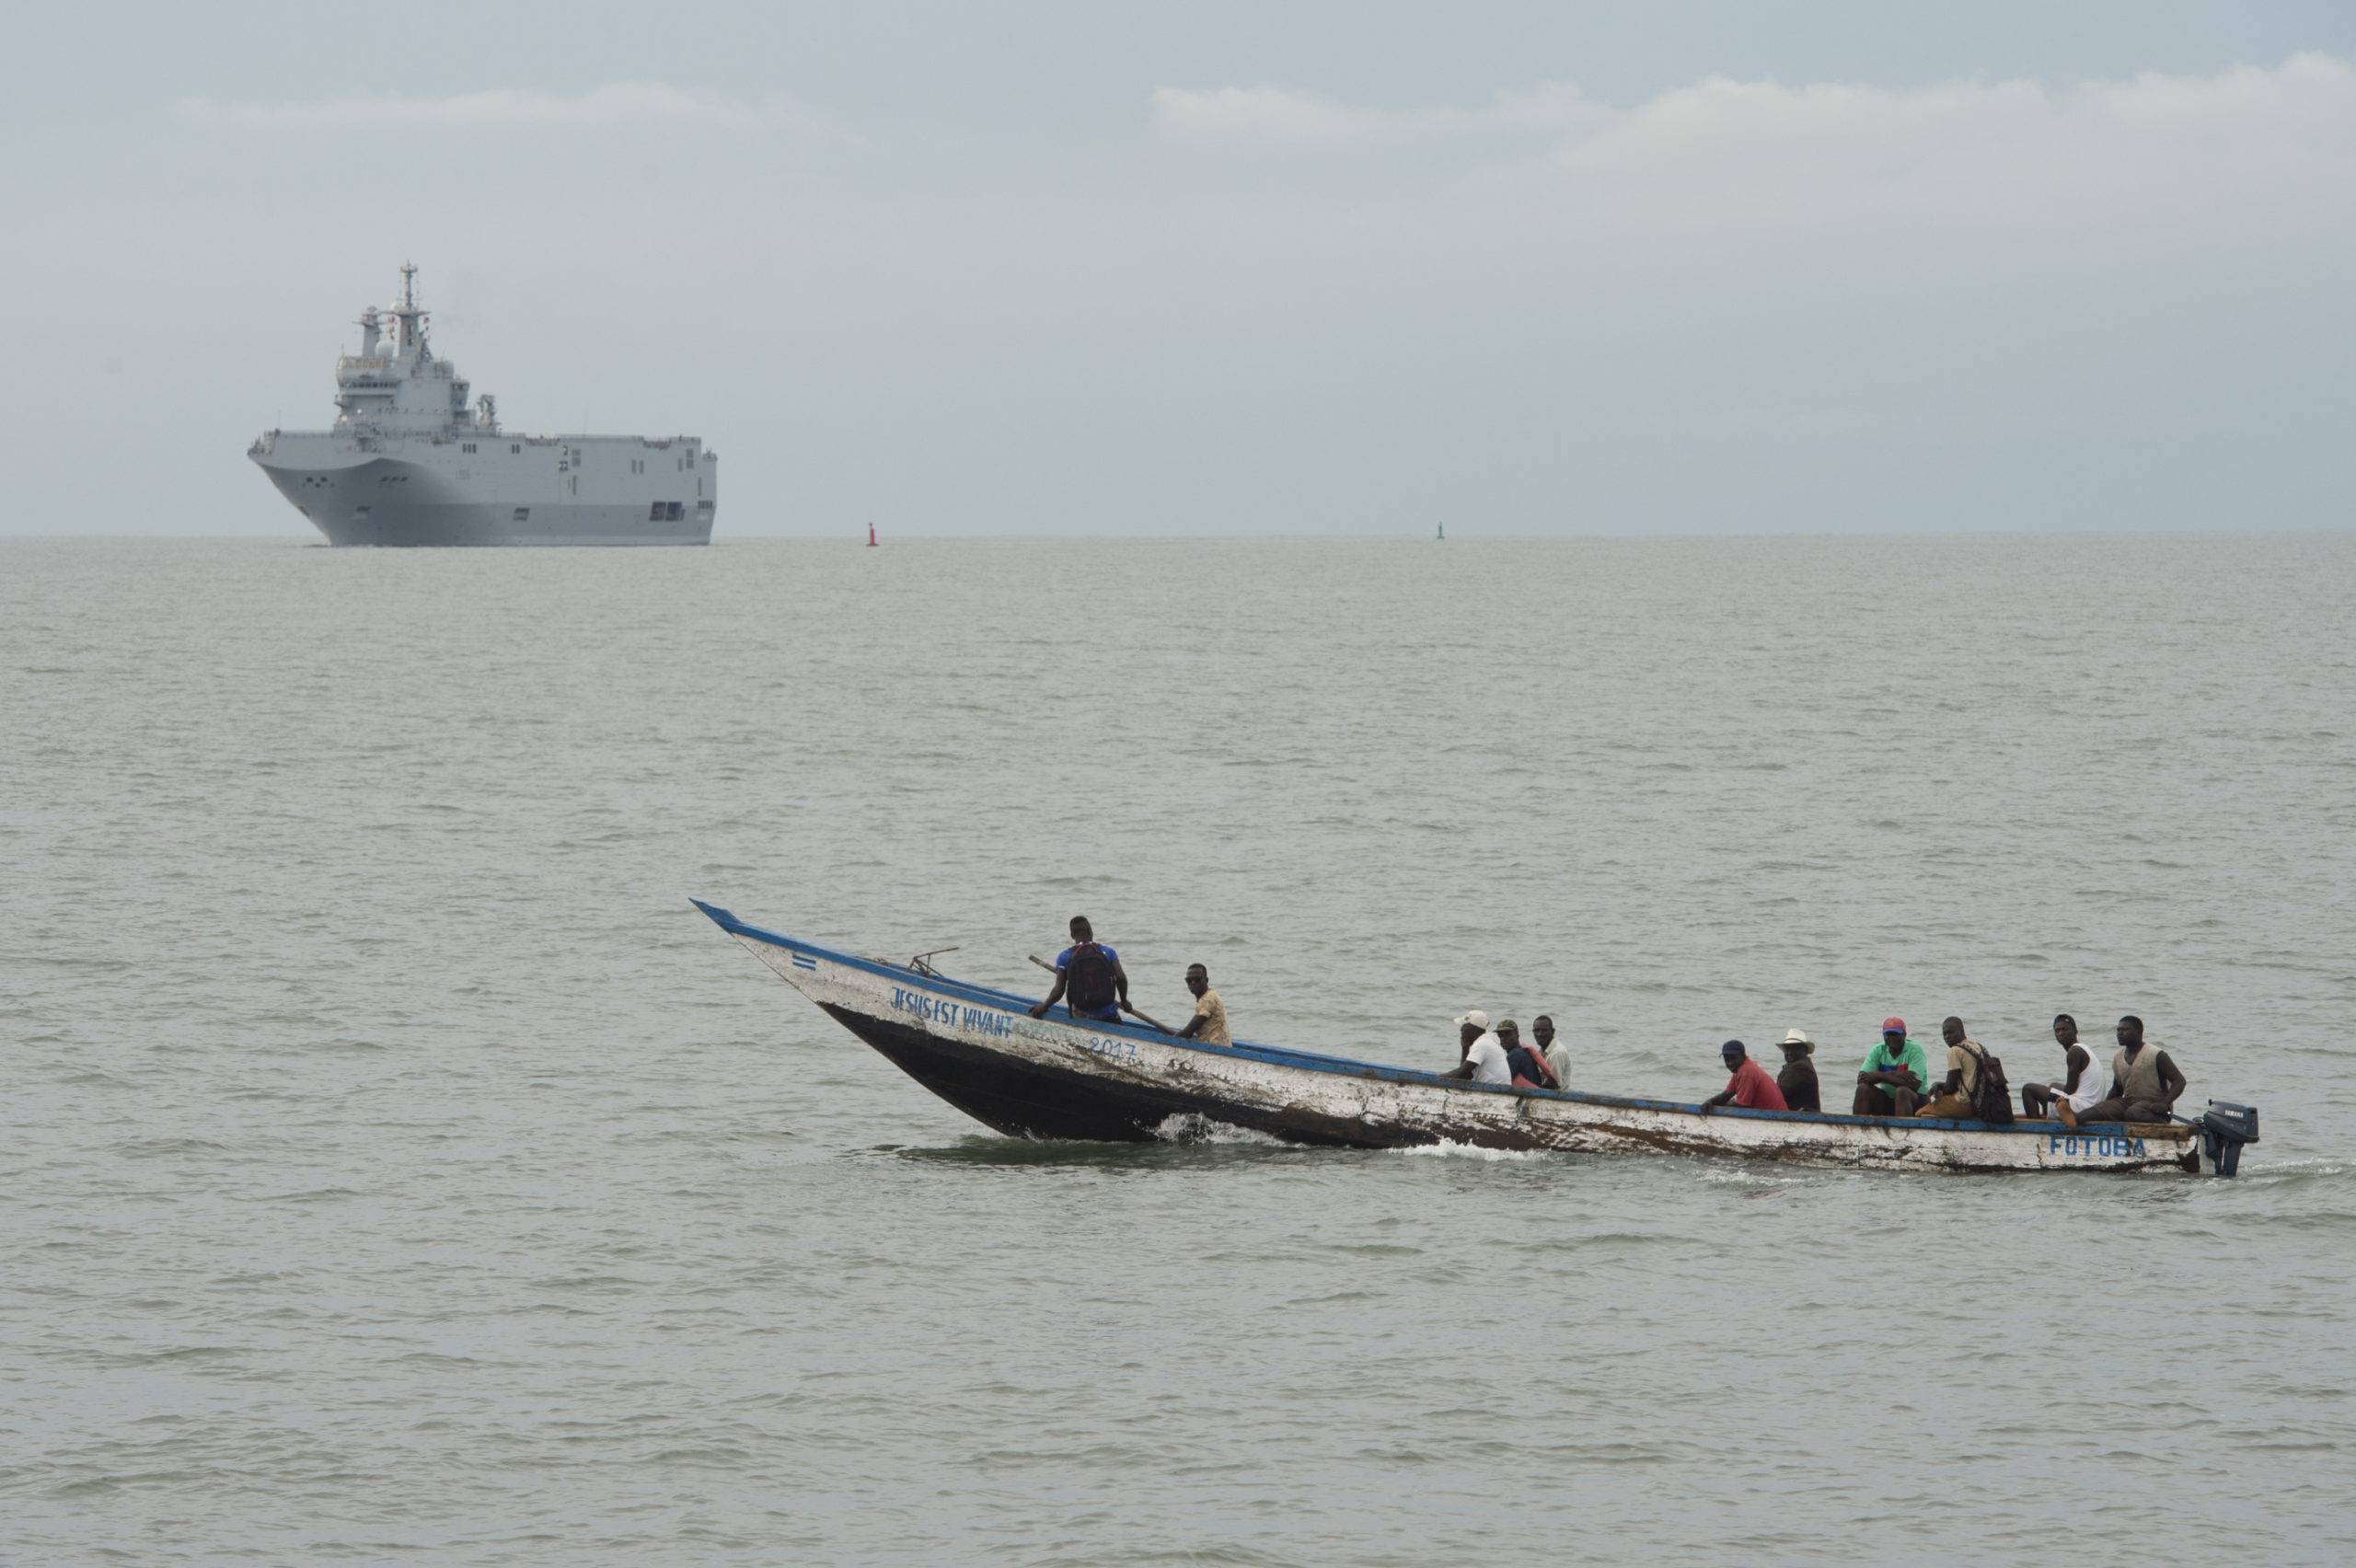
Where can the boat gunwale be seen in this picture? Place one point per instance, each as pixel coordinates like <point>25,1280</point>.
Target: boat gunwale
<point>1312,1061</point>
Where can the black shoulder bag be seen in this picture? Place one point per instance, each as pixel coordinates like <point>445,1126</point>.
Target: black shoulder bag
<point>1991,1097</point>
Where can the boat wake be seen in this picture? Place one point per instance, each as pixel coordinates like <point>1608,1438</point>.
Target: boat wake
<point>1445,1150</point>
<point>1193,1127</point>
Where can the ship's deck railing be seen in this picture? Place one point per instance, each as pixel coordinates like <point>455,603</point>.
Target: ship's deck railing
<point>372,437</point>
<point>440,370</point>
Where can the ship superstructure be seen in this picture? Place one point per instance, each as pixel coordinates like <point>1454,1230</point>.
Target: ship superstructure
<point>411,461</point>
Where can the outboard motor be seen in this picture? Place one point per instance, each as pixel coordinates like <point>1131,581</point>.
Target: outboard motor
<point>2225,1127</point>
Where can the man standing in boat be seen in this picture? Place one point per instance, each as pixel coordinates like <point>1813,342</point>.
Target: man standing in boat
<point>1091,974</point>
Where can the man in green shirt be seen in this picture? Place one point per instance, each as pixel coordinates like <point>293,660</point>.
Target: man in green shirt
<point>1891,1081</point>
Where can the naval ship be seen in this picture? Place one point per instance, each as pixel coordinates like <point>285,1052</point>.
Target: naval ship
<point>410,462</point>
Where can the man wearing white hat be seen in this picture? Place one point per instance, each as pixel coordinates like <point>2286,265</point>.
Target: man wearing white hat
<point>1483,1053</point>
<point>1797,1081</point>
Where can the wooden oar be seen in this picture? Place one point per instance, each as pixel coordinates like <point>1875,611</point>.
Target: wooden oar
<point>1124,1006</point>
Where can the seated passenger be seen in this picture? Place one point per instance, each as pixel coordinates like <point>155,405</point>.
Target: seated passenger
<point>1965,1058</point>
<point>1797,1081</point>
<point>1749,1088</point>
<point>1484,1059</point>
<point>1209,1023</point>
<point>1557,1054</point>
<point>2081,1086</point>
<point>2143,1083</point>
<point>1890,1082</point>
<point>1528,1068</point>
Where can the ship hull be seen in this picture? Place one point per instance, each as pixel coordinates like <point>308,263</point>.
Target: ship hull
<point>532,496</point>
<point>464,525</point>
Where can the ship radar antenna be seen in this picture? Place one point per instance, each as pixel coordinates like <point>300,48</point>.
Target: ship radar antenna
<point>410,337</point>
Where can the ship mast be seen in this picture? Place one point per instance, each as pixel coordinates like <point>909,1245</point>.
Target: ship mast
<point>411,319</point>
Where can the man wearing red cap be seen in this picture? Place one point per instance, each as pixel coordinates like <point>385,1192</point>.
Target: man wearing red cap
<point>1892,1080</point>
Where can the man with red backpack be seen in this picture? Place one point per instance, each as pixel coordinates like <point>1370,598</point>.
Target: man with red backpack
<point>1090,980</point>
<point>1528,1068</point>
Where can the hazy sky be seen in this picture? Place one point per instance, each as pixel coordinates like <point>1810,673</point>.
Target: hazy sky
<point>1225,269</point>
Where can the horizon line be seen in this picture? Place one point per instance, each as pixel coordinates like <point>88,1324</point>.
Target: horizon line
<point>857,540</point>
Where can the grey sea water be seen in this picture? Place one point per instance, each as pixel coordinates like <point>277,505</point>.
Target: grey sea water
<point>394,1166</point>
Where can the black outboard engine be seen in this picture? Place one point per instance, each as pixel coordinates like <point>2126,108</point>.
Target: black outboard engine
<point>2225,1127</point>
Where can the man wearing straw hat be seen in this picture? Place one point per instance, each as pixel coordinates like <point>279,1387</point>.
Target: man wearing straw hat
<point>1797,1081</point>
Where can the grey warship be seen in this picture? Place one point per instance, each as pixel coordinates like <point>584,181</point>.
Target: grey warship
<point>410,461</point>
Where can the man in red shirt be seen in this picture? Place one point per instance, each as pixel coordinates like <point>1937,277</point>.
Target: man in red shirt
<point>1751,1087</point>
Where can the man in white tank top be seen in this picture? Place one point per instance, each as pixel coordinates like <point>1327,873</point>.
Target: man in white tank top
<point>2079,1090</point>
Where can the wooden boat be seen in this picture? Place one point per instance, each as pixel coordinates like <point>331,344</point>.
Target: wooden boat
<point>1052,1077</point>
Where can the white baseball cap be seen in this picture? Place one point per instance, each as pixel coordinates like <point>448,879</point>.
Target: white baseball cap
<point>1476,1018</point>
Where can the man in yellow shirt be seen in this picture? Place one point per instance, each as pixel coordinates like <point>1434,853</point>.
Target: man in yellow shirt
<point>1209,1023</point>
<point>1965,1058</point>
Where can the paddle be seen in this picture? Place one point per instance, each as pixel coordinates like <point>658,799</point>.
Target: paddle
<point>1124,1006</point>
